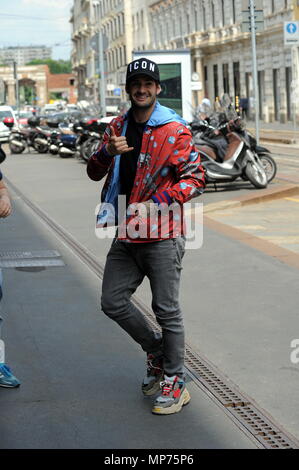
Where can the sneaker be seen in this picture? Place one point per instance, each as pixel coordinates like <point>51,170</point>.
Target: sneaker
<point>154,375</point>
<point>7,379</point>
<point>173,396</point>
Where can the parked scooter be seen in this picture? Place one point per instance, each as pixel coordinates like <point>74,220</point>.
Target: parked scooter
<point>228,151</point>
<point>239,159</point>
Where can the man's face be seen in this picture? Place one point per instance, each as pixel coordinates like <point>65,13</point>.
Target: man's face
<point>143,91</point>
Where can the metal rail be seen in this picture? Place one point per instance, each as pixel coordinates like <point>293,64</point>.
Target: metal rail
<point>255,422</point>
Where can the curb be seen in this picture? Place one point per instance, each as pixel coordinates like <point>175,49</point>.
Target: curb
<point>263,195</point>
<point>265,135</point>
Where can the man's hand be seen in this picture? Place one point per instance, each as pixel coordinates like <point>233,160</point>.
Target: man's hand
<point>5,206</point>
<point>117,145</point>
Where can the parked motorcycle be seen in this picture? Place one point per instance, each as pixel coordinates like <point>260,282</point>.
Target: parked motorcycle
<point>95,129</point>
<point>62,139</point>
<point>228,150</point>
<point>30,136</point>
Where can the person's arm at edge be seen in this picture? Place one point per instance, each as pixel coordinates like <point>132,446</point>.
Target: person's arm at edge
<point>5,204</point>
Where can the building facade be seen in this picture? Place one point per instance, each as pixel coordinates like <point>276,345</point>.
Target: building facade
<point>121,26</point>
<point>82,54</point>
<point>24,55</point>
<point>221,57</point>
<point>221,52</point>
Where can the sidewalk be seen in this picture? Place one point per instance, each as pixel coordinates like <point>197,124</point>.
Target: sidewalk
<point>276,132</point>
<point>80,373</point>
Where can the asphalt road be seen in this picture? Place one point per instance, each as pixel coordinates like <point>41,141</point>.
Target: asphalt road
<point>240,306</point>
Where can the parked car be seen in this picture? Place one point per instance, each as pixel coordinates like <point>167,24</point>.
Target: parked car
<point>23,118</point>
<point>5,112</point>
<point>50,109</point>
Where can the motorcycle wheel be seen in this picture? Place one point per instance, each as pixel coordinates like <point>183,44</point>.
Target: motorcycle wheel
<point>269,165</point>
<point>40,148</point>
<point>256,174</point>
<point>15,149</point>
<point>88,148</point>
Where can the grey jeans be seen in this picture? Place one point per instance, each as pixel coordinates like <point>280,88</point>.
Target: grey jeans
<point>126,266</point>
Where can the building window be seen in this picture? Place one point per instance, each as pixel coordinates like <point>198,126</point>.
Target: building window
<point>276,93</point>
<point>288,92</point>
<point>222,12</point>
<point>236,73</point>
<point>180,26</point>
<point>195,20</point>
<point>188,23</point>
<point>204,22</point>
<point>234,11</point>
<point>213,14</point>
<point>206,77</point>
<point>216,88</point>
<point>225,73</point>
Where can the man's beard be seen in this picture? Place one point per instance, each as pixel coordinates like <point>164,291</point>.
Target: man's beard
<point>142,105</point>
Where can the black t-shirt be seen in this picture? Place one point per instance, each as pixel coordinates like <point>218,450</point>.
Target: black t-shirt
<point>128,161</point>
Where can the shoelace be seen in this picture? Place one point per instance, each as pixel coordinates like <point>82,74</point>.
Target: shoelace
<point>166,387</point>
<point>5,368</point>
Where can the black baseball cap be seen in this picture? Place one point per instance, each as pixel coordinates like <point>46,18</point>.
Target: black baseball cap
<point>143,66</point>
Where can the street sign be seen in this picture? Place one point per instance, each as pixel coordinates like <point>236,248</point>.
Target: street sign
<point>117,91</point>
<point>196,86</point>
<point>258,16</point>
<point>291,33</point>
<point>258,21</point>
<point>258,5</point>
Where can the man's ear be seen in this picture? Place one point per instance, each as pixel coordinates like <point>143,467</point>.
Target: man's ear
<point>159,89</point>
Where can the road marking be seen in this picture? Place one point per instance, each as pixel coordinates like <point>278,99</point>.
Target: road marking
<point>292,199</point>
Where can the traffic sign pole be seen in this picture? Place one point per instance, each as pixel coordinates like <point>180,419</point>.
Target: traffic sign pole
<point>254,69</point>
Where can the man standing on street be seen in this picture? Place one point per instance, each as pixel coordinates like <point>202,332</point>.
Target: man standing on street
<point>150,160</point>
<point>7,379</point>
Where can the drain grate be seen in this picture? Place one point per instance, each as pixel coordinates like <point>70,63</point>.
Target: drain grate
<point>29,254</point>
<point>24,259</point>
<point>211,380</point>
<point>262,428</point>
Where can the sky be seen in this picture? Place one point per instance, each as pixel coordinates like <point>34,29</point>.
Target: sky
<point>37,22</point>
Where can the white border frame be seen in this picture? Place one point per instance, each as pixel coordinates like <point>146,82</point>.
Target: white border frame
<point>179,56</point>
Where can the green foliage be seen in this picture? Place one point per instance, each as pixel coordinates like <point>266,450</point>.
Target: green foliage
<point>55,66</point>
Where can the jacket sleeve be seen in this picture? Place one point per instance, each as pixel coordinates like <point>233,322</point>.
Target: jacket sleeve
<point>190,174</point>
<point>100,161</point>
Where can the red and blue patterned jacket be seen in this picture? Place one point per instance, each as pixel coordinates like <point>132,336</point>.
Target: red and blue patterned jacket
<point>168,170</point>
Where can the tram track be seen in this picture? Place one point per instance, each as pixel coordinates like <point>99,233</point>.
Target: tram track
<point>251,419</point>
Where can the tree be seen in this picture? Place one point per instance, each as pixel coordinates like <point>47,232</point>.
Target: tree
<point>55,66</point>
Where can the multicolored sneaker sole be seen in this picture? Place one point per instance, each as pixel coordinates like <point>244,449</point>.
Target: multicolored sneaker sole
<point>172,398</point>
